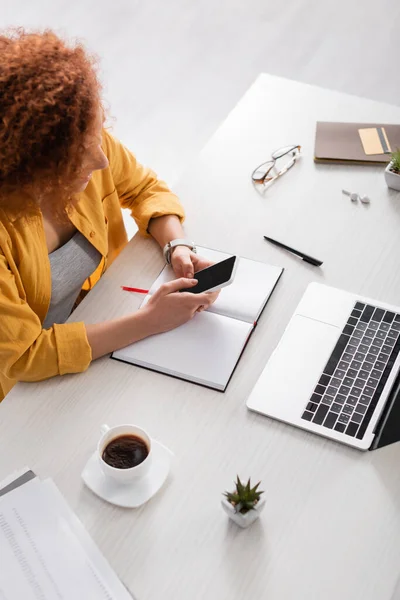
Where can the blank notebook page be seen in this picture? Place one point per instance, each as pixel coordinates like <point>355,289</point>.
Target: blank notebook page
<point>205,350</point>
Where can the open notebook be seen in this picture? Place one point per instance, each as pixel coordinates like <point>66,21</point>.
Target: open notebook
<point>206,349</point>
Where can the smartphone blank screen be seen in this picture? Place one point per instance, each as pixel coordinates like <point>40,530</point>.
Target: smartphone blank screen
<point>213,276</point>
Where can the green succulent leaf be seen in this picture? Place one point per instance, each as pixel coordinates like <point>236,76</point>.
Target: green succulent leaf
<point>245,497</point>
<point>395,157</point>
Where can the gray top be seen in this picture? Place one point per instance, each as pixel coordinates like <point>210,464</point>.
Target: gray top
<point>71,265</point>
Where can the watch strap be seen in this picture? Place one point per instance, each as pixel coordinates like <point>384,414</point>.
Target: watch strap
<point>167,250</point>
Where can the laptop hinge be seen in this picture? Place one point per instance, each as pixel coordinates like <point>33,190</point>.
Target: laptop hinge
<point>387,430</point>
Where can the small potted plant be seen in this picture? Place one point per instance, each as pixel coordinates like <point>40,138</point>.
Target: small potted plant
<point>392,172</point>
<point>244,504</point>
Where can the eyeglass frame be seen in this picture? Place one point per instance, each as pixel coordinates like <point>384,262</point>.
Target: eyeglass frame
<point>294,150</point>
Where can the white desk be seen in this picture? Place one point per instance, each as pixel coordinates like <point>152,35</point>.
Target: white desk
<point>331,527</point>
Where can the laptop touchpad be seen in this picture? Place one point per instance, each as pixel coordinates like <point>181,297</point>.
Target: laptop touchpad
<point>290,376</point>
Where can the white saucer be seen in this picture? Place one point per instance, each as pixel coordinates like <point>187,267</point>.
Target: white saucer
<point>129,495</point>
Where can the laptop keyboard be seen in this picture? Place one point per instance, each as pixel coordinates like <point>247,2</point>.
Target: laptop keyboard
<point>348,391</point>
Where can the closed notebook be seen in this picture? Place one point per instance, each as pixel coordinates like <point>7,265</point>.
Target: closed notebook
<point>206,349</point>
<point>343,142</point>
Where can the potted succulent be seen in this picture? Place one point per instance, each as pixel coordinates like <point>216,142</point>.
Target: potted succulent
<point>244,504</point>
<point>392,172</point>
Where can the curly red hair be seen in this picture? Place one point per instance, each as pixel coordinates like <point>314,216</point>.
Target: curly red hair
<point>49,100</point>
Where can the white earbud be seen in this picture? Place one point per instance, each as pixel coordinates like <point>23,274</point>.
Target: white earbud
<point>365,199</point>
<point>354,197</point>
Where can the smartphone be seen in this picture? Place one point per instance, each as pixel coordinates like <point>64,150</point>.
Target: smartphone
<point>215,277</point>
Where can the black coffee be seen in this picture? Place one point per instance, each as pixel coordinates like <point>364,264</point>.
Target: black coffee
<point>125,452</point>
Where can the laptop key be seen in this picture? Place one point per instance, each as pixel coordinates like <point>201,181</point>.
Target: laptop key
<point>347,409</point>
<point>340,427</point>
<point>367,366</point>
<point>373,350</point>
<point>372,382</point>
<point>366,340</point>
<point>359,382</point>
<point>316,398</point>
<point>352,428</point>
<point>357,418</point>
<point>319,389</point>
<point>344,390</point>
<point>393,334</point>
<point>389,316</point>
<point>383,357</point>
<point>352,373</point>
<point>375,373</point>
<point>335,382</point>
<point>307,415</point>
<point>363,348</point>
<point>386,349</point>
<point>378,314</point>
<point>320,414</point>
<point>348,381</point>
<point>381,335</point>
<point>373,325</point>
<point>343,365</point>
<point>356,392</point>
<point>351,349</point>
<point>368,391</point>
<point>367,314</point>
<point>336,407</point>
<point>327,400</point>
<point>340,373</point>
<point>324,379</point>
<point>355,365</point>
<point>359,306</point>
<point>340,399</point>
<point>352,400</point>
<point>330,420</point>
<point>379,365</point>
<point>311,407</point>
<point>344,418</point>
<point>361,408</point>
<point>396,325</point>
<point>365,399</point>
<point>370,357</point>
<point>331,391</point>
<point>377,342</point>
<point>359,355</point>
<point>363,374</point>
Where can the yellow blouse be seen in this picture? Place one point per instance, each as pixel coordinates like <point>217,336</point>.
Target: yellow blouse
<point>28,352</point>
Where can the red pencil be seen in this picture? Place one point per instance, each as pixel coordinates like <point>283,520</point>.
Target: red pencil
<point>137,290</point>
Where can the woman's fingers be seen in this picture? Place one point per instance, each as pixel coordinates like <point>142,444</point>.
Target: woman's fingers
<point>174,286</point>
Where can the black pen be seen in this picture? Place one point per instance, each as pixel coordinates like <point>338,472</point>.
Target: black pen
<point>305,257</point>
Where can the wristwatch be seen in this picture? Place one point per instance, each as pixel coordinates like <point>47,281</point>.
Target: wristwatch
<point>167,250</point>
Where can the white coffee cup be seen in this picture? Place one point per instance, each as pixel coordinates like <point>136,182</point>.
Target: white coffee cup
<point>123,475</point>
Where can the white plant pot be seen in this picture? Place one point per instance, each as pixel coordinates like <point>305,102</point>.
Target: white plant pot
<point>243,520</point>
<point>392,179</point>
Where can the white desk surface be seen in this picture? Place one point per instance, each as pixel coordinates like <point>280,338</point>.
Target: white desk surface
<point>331,526</point>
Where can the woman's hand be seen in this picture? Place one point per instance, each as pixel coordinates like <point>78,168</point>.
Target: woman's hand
<point>168,308</point>
<point>186,263</point>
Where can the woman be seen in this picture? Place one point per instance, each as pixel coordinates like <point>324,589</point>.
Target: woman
<point>63,181</point>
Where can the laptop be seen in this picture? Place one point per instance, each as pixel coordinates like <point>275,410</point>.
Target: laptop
<point>336,370</point>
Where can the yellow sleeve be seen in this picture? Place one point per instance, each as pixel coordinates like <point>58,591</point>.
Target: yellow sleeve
<point>28,352</point>
<point>138,187</point>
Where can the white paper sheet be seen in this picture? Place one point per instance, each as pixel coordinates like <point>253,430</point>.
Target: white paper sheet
<point>41,558</point>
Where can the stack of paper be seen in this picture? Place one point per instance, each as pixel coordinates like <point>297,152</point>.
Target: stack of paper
<point>45,552</point>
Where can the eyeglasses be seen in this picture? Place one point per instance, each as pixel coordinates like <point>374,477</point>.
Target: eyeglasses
<point>266,173</point>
